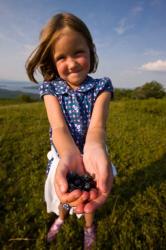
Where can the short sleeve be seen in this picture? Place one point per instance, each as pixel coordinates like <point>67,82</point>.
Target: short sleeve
<point>103,85</point>
<point>46,88</point>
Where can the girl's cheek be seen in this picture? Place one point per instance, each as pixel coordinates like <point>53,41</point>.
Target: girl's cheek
<point>60,68</point>
<point>85,62</point>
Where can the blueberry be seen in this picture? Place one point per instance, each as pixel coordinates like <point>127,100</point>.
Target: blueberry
<point>84,182</point>
<point>71,187</point>
<point>87,177</point>
<point>77,182</point>
<point>87,186</point>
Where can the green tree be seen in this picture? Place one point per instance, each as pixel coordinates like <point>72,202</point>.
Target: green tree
<point>123,93</point>
<point>25,98</point>
<point>150,89</point>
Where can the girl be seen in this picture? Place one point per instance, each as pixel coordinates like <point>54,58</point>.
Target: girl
<point>77,108</point>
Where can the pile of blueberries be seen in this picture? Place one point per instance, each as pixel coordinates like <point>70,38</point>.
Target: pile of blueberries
<point>82,182</point>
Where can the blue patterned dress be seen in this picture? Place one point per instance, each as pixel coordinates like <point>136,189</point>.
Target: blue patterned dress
<point>77,105</point>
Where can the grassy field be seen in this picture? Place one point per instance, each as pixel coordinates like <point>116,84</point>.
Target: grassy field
<point>134,217</point>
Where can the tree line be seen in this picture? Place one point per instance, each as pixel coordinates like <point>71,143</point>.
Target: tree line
<point>151,89</point>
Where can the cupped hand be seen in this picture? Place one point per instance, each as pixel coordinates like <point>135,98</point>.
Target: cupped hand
<point>97,164</point>
<point>67,164</point>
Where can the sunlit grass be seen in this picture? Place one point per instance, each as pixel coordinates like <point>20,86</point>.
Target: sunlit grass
<point>134,215</point>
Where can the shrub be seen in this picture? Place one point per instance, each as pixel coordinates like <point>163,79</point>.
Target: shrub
<point>149,90</point>
<point>25,98</point>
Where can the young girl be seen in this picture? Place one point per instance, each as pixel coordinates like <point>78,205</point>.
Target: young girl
<point>77,108</point>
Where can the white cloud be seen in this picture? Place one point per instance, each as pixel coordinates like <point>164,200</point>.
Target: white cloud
<point>159,65</point>
<point>152,52</point>
<point>16,29</point>
<point>27,49</point>
<point>123,26</point>
<point>127,23</point>
<point>137,9</point>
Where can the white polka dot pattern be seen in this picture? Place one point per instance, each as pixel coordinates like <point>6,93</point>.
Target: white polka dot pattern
<point>77,105</point>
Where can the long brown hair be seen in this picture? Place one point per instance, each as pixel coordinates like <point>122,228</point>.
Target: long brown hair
<point>41,59</point>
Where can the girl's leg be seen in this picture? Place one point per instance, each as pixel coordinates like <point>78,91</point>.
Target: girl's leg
<point>89,231</point>
<point>63,213</point>
<point>56,226</point>
<point>89,219</point>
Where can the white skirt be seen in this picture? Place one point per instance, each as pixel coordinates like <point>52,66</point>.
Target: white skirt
<point>50,196</point>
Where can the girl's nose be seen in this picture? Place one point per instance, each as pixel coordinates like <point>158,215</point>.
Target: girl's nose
<point>71,63</point>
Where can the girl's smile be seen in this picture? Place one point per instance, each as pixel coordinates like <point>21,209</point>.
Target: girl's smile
<point>72,57</point>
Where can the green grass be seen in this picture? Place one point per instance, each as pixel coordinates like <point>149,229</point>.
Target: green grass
<point>134,215</point>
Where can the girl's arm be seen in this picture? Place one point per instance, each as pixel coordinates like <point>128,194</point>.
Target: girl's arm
<point>61,136</point>
<point>97,129</point>
<point>95,157</point>
<point>70,157</point>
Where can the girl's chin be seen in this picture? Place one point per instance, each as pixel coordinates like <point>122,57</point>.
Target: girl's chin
<point>76,78</point>
<point>75,81</point>
<point>74,85</point>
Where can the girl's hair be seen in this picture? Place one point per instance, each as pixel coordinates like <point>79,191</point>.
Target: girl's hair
<point>41,58</point>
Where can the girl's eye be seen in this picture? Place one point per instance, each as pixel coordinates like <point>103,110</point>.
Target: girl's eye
<point>59,58</point>
<point>79,52</point>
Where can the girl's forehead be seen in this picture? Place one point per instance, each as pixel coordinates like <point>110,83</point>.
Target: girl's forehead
<point>69,35</point>
<point>67,31</point>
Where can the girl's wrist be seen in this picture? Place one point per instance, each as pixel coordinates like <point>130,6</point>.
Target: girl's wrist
<point>70,154</point>
<point>94,146</point>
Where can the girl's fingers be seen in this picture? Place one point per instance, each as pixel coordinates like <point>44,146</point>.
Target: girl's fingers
<point>94,204</point>
<point>93,194</point>
<point>83,198</point>
<point>60,178</point>
<point>67,197</point>
<point>70,198</point>
<point>79,209</point>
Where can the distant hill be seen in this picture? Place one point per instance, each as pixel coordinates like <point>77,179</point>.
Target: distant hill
<point>11,94</point>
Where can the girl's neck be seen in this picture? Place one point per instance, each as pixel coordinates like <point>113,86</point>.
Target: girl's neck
<point>75,87</point>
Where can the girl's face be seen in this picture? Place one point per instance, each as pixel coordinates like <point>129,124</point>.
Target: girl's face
<point>72,57</point>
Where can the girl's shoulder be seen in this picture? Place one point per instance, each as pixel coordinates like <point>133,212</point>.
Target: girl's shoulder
<point>102,80</point>
<point>103,83</point>
<point>96,86</point>
<point>54,87</point>
<point>95,82</point>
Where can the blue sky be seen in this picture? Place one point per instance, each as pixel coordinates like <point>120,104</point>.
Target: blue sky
<point>130,36</point>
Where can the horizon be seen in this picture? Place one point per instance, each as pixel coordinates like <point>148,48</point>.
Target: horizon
<point>129,36</point>
<point>33,88</point>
